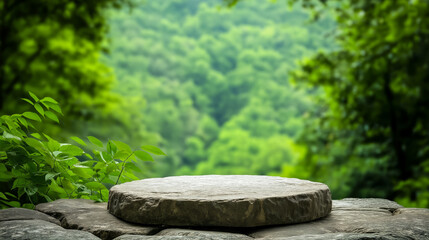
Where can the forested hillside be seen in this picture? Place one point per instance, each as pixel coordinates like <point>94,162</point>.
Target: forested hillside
<point>212,83</point>
<point>330,91</point>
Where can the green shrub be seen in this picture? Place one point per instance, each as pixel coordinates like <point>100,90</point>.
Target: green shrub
<point>36,168</point>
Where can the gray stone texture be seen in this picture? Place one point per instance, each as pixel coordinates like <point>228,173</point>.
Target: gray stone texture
<point>140,237</point>
<point>364,203</point>
<point>350,219</point>
<point>358,219</point>
<point>92,217</point>
<point>337,236</point>
<point>176,233</point>
<point>25,214</point>
<point>220,200</point>
<point>203,234</point>
<point>39,230</point>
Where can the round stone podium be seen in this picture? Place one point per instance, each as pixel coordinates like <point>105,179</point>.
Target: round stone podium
<point>220,200</point>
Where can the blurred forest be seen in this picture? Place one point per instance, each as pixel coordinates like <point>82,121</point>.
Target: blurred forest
<point>331,91</point>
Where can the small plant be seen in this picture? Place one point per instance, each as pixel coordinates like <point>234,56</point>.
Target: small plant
<point>35,168</point>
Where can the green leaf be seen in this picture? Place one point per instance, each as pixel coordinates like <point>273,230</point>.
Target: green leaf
<point>88,163</point>
<point>19,182</point>
<point>54,187</point>
<point>34,96</point>
<point>48,99</point>
<point>82,171</point>
<point>3,196</point>
<point>106,156</point>
<point>99,165</point>
<point>46,197</point>
<point>36,135</point>
<point>31,126</point>
<point>32,116</point>
<point>3,167</point>
<point>10,194</point>
<point>39,109</point>
<point>78,140</point>
<point>28,100</point>
<point>111,167</point>
<point>3,156</point>
<point>153,149</point>
<point>50,176</point>
<point>14,204</point>
<point>121,155</point>
<point>28,205</point>
<point>111,148</point>
<point>7,135</point>
<point>31,190</point>
<point>71,150</point>
<point>68,185</point>
<point>54,106</point>
<point>129,176</point>
<point>95,186</point>
<point>95,141</point>
<point>53,145</point>
<point>21,191</point>
<point>23,122</point>
<point>35,144</point>
<point>18,172</point>
<point>132,166</point>
<point>144,156</point>
<point>52,116</point>
<point>123,147</point>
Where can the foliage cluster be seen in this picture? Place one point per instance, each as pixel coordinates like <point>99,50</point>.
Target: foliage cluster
<point>373,133</point>
<point>36,168</point>
<point>52,48</point>
<point>215,81</point>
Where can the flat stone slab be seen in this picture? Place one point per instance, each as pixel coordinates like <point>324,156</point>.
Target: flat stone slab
<point>350,219</point>
<point>363,204</point>
<point>172,232</point>
<point>176,233</point>
<point>337,221</point>
<point>358,219</point>
<point>338,236</point>
<point>25,214</point>
<point>140,237</point>
<point>86,215</point>
<point>39,230</point>
<point>220,200</point>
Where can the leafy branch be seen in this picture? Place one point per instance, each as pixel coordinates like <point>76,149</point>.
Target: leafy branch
<point>36,168</point>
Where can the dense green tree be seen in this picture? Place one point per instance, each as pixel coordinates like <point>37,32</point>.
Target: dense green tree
<point>374,128</point>
<point>52,48</point>
<point>214,79</point>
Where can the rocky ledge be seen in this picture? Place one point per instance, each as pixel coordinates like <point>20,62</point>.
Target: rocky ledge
<point>83,219</point>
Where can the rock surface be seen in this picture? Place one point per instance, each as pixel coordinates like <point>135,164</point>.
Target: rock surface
<point>358,219</point>
<point>92,217</point>
<point>25,214</point>
<point>139,237</point>
<point>39,230</point>
<point>176,233</point>
<point>362,204</point>
<point>350,219</point>
<point>202,234</point>
<point>226,201</point>
<point>338,236</point>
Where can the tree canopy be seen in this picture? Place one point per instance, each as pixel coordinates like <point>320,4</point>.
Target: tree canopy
<point>332,91</point>
<point>52,48</point>
<point>374,128</point>
<point>215,81</point>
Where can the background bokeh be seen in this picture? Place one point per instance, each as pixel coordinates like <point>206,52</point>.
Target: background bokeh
<point>331,91</point>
